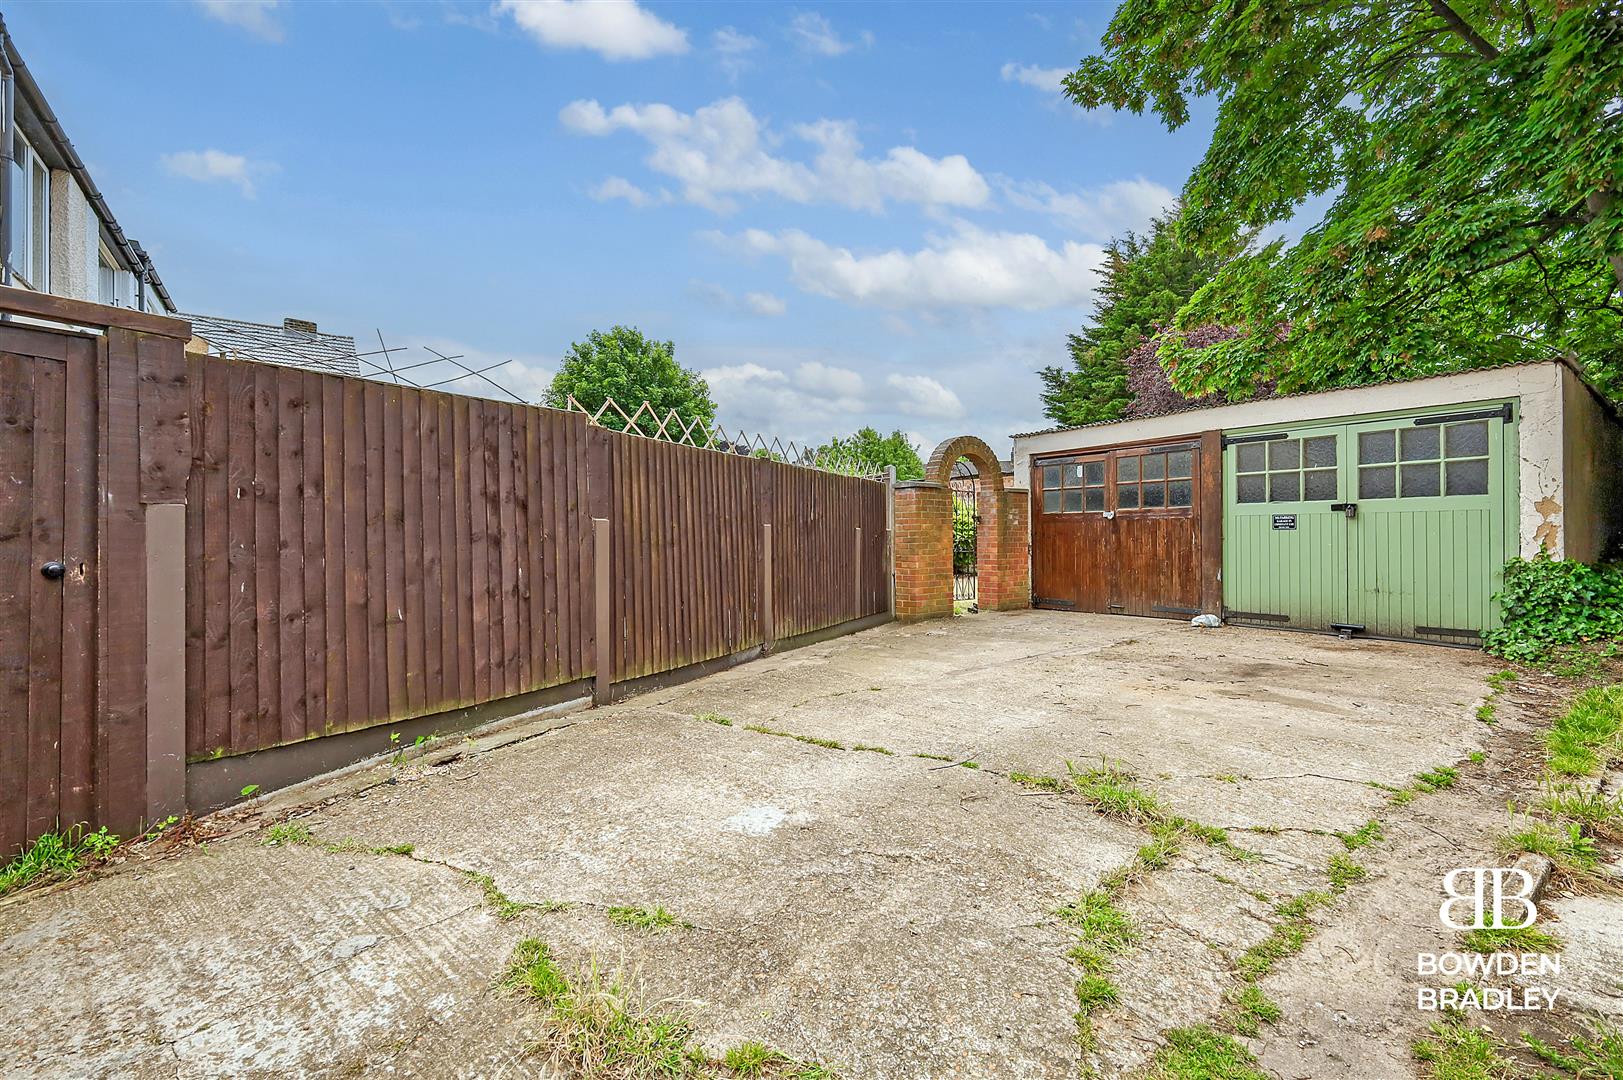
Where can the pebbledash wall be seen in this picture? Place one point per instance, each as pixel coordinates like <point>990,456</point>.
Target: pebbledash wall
<point>924,536</point>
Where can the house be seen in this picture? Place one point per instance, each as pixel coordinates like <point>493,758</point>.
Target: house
<point>293,343</point>
<point>57,234</point>
<point>1385,510</point>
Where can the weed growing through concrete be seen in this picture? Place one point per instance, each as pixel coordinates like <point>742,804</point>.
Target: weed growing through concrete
<point>1500,681</point>
<point>1252,1009</point>
<point>1485,712</point>
<point>1201,1053</point>
<point>932,757</point>
<point>1507,939</point>
<point>497,902</point>
<point>827,744</point>
<point>1367,833</point>
<point>1597,1055</point>
<point>599,1028</point>
<point>1343,872</point>
<point>57,856</point>
<point>1457,1052</point>
<point>1476,757</point>
<point>292,832</point>
<point>654,920</point>
<point>1438,778</point>
<point>1286,939</point>
<point>1568,848</point>
<point>871,749</point>
<point>1114,793</point>
<point>1041,783</point>
<point>714,718</point>
<point>968,764</point>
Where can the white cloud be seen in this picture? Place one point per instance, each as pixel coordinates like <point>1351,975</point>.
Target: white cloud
<point>208,166</point>
<point>968,269</point>
<point>618,187</point>
<point>1098,213</point>
<point>815,397</point>
<point>1038,77</point>
<point>815,34</point>
<point>734,47</point>
<point>756,303</point>
<point>722,151</point>
<point>924,396</point>
<point>614,29</point>
<point>254,16</point>
<point>764,303</point>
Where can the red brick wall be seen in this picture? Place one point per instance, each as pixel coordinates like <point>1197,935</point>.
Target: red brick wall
<point>923,551</point>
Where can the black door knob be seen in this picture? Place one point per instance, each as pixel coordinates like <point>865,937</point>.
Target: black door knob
<point>53,571</point>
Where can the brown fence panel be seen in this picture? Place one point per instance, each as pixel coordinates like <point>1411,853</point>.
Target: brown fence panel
<point>368,553</point>
<point>828,549</point>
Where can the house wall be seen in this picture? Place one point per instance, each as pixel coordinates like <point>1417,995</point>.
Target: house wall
<point>73,239</point>
<point>1592,469</point>
<point>1542,518</point>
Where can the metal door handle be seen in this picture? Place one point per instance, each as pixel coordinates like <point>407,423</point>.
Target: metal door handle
<point>1348,508</point>
<point>53,571</point>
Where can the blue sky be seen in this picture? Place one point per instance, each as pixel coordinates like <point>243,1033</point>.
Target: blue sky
<point>842,214</point>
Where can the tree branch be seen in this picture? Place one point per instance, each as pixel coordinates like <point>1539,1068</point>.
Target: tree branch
<point>1464,29</point>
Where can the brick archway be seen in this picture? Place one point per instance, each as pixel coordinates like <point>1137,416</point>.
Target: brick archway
<point>924,536</point>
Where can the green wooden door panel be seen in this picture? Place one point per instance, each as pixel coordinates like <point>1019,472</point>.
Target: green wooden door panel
<point>1423,552</point>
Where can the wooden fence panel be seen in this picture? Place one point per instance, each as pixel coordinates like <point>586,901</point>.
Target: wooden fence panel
<point>369,553</point>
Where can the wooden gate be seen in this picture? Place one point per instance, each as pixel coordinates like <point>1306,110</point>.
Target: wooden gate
<point>79,478</point>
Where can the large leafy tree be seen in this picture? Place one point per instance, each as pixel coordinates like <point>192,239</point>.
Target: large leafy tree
<point>1473,151</point>
<point>875,451</point>
<point>631,369</point>
<point>1147,279</point>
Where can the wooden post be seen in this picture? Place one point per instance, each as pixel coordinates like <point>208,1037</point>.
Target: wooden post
<point>766,588</point>
<point>602,687</point>
<point>856,578</point>
<point>166,660</point>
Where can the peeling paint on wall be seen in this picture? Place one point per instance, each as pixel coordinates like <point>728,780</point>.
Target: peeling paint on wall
<point>1548,533</point>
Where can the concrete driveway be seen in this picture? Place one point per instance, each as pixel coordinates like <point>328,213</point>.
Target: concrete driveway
<point>888,913</point>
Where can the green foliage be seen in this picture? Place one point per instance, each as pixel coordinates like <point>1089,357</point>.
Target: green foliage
<point>1511,939</point>
<point>1549,603</point>
<point>1597,1057</point>
<point>1458,1052</point>
<point>1470,149</point>
<point>1200,1053</point>
<point>1146,279</point>
<point>1253,1008</point>
<point>1573,853</point>
<point>631,369</point>
<point>1589,735</point>
<point>876,451</point>
<point>652,920</point>
<point>57,856</point>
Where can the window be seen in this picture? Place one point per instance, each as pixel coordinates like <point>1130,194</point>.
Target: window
<point>1287,470</point>
<point>1156,480</point>
<point>1423,461</point>
<point>31,220</point>
<point>1071,486</point>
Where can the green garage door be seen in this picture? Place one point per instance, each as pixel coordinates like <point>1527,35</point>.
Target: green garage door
<point>1394,526</point>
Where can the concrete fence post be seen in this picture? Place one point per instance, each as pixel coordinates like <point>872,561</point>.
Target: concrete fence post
<point>767,634</point>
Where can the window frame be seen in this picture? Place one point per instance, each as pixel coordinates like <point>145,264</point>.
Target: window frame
<point>1109,458</point>
<point>30,252</point>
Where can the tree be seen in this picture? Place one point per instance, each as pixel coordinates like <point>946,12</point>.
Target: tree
<point>876,451</point>
<point>1473,149</point>
<point>631,369</point>
<point>1147,279</point>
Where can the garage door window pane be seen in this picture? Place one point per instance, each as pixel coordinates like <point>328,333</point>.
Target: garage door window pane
<point>1050,502</point>
<point>1180,464</point>
<point>1285,487</point>
<point>1096,499</point>
<point>1180,493</point>
<point>1155,466</point>
<point>1251,489</point>
<point>1050,477</point>
<point>1073,501</point>
<point>1127,469</point>
<point>1285,454</point>
<point>1154,496</point>
<point>1251,457</point>
<point>1320,452</point>
<point>1419,444</point>
<point>1468,440</point>
<point>1377,446</point>
<point>1420,481</point>
<point>1321,484</point>
<point>1127,497</point>
<point>1468,477</point>
<point>1378,483</point>
<point>1093,472</point>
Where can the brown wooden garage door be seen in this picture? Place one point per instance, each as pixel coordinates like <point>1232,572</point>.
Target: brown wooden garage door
<point>1129,530</point>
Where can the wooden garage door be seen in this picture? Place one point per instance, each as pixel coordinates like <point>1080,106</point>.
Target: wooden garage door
<point>1122,531</point>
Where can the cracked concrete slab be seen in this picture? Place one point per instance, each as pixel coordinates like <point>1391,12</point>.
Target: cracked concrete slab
<point>887,913</point>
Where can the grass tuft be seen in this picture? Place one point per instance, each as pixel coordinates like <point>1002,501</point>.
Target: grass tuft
<point>1343,872</point>
<point>654,920</point>
<point>1443,776</point>
<point>499,903</point>
<point>932,757</point>
<point>1103,930</point>
<point>1588,737</point>
<point>872,749</point>
<point>292,832</point>
<point>1598,1056</point>
<point>57,856</point>
<point>751,1059</point>
<point>1457,1052</point>
<point>1253,1008</point>
<point>1200,1053</point>
<point>1286,939</point>
<point>1366,834</point>
<point>714,718</point>
<point>1041,783</point>
<point>1569,849</point>
<point>827,744</point>
<point>1508,939</point>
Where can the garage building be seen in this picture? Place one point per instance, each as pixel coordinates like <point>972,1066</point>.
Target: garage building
<point>1386,510</point>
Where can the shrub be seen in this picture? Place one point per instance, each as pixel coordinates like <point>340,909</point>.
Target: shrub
<point>1548,603</point>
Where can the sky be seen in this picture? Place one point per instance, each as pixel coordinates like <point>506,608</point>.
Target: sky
<point>841,214</point>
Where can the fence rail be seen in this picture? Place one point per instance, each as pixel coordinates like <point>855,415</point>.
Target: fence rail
<point>256,555</point>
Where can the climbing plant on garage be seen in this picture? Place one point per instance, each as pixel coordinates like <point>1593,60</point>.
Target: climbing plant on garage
<point>1471,150</point>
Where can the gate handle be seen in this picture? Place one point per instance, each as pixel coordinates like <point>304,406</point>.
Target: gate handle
<point>53,571</point>
<point>1348,508</point>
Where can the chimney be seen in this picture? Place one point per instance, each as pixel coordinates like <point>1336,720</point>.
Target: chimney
<point>303,326</point>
